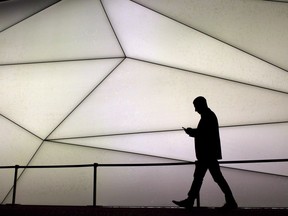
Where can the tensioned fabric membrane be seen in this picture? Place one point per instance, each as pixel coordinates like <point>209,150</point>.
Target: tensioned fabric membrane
<point>112,81</point>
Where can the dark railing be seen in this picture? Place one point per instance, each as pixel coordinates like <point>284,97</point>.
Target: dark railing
<point>96,165</point>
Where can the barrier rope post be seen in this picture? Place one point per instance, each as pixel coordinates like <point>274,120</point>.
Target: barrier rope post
<point>95,166</point>
<point>15,184</point>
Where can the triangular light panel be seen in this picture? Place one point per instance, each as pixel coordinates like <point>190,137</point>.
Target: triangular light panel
<point>40,96</point>
<point>68,30</point>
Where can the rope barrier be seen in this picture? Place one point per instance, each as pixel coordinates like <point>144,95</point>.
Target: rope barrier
<point>145,164</point>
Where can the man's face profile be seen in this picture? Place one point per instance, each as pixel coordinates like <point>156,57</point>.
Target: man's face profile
<point>197,108</point>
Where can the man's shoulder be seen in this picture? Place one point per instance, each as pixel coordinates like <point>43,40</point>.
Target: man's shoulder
<point>210,113</point>
<point>210,117</point>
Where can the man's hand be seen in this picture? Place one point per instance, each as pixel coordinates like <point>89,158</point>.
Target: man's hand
<point>189,131</point>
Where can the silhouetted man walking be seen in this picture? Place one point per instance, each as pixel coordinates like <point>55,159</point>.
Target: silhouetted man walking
<point>208,152</point>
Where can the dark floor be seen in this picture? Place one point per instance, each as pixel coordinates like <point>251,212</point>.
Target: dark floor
<point>24,210</point>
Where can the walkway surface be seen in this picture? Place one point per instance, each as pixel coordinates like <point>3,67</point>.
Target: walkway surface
<point>26,210</point>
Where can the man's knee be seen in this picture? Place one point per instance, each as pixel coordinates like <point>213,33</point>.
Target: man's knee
<point>218,178</point>
<point>198,178</point>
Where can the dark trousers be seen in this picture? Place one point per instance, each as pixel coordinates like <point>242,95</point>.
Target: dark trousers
<point>214,168</point>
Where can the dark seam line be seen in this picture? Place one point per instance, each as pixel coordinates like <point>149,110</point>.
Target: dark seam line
<point>160,131</point>
<point>256,172</point>
<point>114,150</point>
<point>29,16</point>
<point>21,126</point>
<point>207,75</point>
<point>18,178</point>
<point>59,61</point>
<point>112,28</point>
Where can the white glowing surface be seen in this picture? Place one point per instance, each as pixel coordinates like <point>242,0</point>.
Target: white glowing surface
<point>263,33</point>
<point>174,145</point>
<point>149,36</point>
<point>59,34</point>
<point>17,147</point>
<point>140,97</point>
<point>256,143</point>
<point>41,95</point>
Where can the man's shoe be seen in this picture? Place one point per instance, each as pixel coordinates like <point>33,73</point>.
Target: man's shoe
<point>188,204</point>
<point>230,205</point>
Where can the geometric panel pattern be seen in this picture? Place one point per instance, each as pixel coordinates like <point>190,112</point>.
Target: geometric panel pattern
<point>74,186</point>
<point>234,23</point>
<point>41,95</point>
<point>105,81</point>
<point>191,49</point>
<point>148,106</point>
<point>17,147</point>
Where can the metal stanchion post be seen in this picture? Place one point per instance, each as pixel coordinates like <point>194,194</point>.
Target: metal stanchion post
<point>15,184</point>
<point>95,184</point>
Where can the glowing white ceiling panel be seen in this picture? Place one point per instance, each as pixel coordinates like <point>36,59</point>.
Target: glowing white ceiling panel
<point>17,147</point>
<point>67,30</point>
<point>174,145</point>
<point>12,12</point>
<point>40,96</point>
<point>139,96</point>
<point>263,33</point>
<point>147,35</point>
<point>256,143</point>
<point>106,108</point>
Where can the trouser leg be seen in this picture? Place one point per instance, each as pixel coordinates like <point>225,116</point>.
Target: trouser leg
<point>216,173</point>
<point>199,173</point>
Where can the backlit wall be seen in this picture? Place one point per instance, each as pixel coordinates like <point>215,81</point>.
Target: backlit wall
<point>112,81</point>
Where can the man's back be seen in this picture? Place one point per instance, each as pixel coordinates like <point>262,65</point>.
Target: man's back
<point>207,139</point>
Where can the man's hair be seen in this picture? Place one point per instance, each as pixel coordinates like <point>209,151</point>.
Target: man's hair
<point>200,101</point>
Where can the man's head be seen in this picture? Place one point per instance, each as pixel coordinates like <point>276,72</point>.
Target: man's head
<point>200,104</point>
